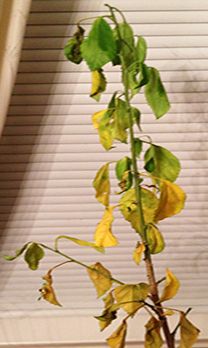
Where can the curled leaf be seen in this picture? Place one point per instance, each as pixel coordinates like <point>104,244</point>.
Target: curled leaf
<point>107,315</point>
<point>123,173</point>
<point>100,277</point>
<point>101,184</point>
<point>188,332</point>
<point>33,255</point>
<point>103,235</point>
<point>72,48</point>
<point>80,242</point>
<point>18,252</point>
<point>141,49</point>
<point>172,199</point>
<point>138,253</point>
<point>117,339</point>
<point>98,84</point>
<point>171,288</point>
<point>153,338</point>
<point>154,239</point>
<point>96,117</point>
<point>47,291</point>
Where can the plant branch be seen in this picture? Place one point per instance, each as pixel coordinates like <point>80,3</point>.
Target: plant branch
<point>179,324</point>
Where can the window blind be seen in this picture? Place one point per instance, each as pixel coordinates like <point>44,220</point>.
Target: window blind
<point>49,154</point>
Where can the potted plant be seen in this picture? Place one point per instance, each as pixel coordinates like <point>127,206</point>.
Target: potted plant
<point>147,190</point>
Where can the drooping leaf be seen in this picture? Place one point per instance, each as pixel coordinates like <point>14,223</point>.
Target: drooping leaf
<point>100,46</point>
<point>107,315</point>
<point>188,332</point>
<point>154,239</point>
<point>117,339</point>
<point>47,291</point>
<point>18,252</point>
<point>155,93</point>
<point>171,288</point>
<point>171,202</point>
<point>129,296</point>
<point>164,164</point>
<point>103,235</point>
<point>121,120</point>
<point>101,278</point>
<point>101,185</point>
<point>143,75</point>
<point>123,173</point>
<point>96,118</point>
<point>98,84</point>
<point>33,255</point>
<point>72,48</point>
<point>128,207</point>
<point>137,147</point>
<point>125,42</point>
<point>106,130</point>
<point>141,49</point>
<point>80,242</point>
<point>138,253</point>
<point>153,338</point>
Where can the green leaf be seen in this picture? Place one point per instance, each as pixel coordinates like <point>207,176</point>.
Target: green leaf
<point>117,339</point>
<point>162,163</point>
<point>125,42</point>
<point>153,337</point>
<point>33,255</point>
<point>189,332</point>
<point>101,278</point>
<point>18,252</point>
<point>154,239</point>
<point>101,185</point>
<point>98,84</point>
<point>141,49</point>
<point>80,242</point>
<point>100,46</point>
<point>121,120</point>
<point>72,48</point>
<point>128,296</point>
<point>143,75</point>
<point>137,147</point>
<point>155,94</point>
<point>123,173</point>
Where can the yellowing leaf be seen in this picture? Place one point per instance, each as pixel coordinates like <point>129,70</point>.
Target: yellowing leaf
<point>129,296</point>
<point>98,84</point>
<point>154,239</point>
<point>103,235</point>
<point>138,253</point>
<point>47,291</point>
<point>172,285</point>
<point>101,184</point>
<point>189,333</point>
<point>96,117</point>
<point>107,315</point>
<point>153,337</point>
<point>128,207</point>
<point>172,199</point>
<point>117,339</point>
<point>100,277</point>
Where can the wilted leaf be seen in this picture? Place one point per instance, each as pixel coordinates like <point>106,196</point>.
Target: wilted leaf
<point>80,242</point>
<point>101,184</point>
<point>17,253</point>
<point>164,164</point>
<point>155,93</point>
<point>107,315</point>
<point>117,339</point>
<point>153,337</point>
<point>100,46</point>
<point>138,253</point>
<point>96,118</point>
<point>171,202</point>
<point>98,84</point>
<point>100,277</point>
<point>123,173</point>
<point>106,130</point>
<point>129,296</point>
<point>72,48</point>
<point>47,291</point>
<point>172,285</point>
<point>189,333</point>
<point>103,235</point>
<point>141,49</point>
<point>137,146</point>
<point>128,207</point>
<point>33,255</point>
<point>125,42</point>
<point>121,120</point>
<point>154,239</point>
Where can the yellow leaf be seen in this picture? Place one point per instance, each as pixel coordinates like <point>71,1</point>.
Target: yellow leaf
<point>129,296</point>
<point>172,199</point>
<point>138,252</point>
<point>96,118</point>
<point>189,333</point>
<point>153,337</point>
<point>154,239</point>
<point>47,291</point>
<point>128,207</point>
<point>117,339</point>
<point>100,277</point>
<point>98,84</point>
<point>172,285</point>
<point>101,184</point>
<point>103,235</point>
<point>107,315</point>
<point>79,242</point>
